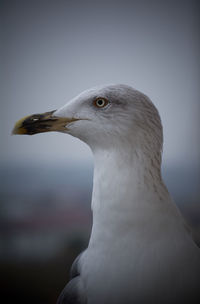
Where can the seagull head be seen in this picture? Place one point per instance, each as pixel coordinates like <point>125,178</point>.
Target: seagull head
<point>102,117</point>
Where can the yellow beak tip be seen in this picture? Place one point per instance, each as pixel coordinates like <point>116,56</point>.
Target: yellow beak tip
<point>18,129</point>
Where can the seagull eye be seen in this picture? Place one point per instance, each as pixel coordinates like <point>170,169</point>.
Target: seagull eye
<point>100,102</point>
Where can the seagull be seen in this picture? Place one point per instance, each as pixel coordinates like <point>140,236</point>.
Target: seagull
<point>140,249</point>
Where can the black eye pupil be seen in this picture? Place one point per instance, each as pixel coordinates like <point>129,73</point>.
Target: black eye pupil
<point>100,102</point>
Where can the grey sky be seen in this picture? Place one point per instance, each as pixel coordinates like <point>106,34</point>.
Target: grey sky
<point>53,50</point>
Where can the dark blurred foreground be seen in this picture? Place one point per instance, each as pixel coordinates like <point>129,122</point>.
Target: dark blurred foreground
<point>45,221</point>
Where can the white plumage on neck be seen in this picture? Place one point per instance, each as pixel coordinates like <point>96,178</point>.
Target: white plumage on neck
<point>127,193</point>
<point>133,245</point>
<point>122,178</point>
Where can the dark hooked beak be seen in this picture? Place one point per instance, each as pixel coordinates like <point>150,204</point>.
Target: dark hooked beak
<point>39,123</point>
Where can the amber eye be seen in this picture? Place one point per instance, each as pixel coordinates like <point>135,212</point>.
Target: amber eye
<point>100,102</point>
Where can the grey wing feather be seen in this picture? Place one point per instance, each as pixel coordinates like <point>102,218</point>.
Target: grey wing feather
<point>74,292</point>
<point>75,268</point>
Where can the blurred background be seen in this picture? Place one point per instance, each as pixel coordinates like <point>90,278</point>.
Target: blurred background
<point>50,52</point>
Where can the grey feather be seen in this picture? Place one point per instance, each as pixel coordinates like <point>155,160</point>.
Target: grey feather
<point>75,268</point>
<point>74,292</point>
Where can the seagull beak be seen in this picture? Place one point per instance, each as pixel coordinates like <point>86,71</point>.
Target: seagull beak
<point>39,123</point>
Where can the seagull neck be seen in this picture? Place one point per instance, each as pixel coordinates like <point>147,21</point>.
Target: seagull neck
<point>127,193</point>
<point>125,178</point>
